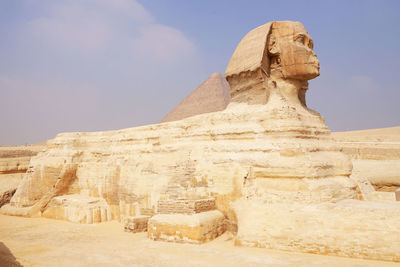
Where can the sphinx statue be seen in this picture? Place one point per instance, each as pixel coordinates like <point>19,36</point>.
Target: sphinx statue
<point>267,141</point>
<point>277,54</point>
<point>271,67</point>
<point>265,168</point>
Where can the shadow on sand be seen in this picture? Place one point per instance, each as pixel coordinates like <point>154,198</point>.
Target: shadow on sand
<point>7,259</point>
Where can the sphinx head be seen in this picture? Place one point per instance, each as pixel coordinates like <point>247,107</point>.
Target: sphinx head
<point>291,53</point>
<point>279,51</point>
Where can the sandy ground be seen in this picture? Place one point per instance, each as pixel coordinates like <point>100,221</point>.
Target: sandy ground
<point>391,134</point>
<point>45,242</point>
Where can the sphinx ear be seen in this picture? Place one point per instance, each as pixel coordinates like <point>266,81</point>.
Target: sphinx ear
<point>273,48</point>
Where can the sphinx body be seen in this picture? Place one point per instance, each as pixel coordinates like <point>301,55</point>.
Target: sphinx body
<point>267,152</point>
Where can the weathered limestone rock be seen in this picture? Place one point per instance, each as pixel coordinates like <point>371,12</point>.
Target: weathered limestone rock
<point>211,96</point>
<point>375,155</point>
<point>79,209</point>
<point>186,206</point>
<point>267,158</point>
<point>186,220</point>
<point>351,228</point>
<point>277,52</point>
<point>210,154</point>
<point>6,196</point>
<point>136,224</point>
<point>187,228</point>
<point>14,162</point>
<point>15,159</point>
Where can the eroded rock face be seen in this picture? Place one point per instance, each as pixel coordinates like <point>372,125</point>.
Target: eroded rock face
<point>278,58</point>
<point>212,154</point>
<point>14,162</point>
<point>6,196</point>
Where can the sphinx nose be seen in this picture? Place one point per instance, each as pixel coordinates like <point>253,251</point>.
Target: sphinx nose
<point>313,58</point>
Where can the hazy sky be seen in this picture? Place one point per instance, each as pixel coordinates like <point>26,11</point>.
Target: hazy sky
<point>91,65</point>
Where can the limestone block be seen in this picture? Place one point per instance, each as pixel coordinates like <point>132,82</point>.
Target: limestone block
<point>185,206</point>
<point>135,224</point>
<point>15,211</point>
<point>184,228</point>
<point>79,209</point>
<point>375,154</point>
<point>365,189</point>
<point>350,228</point>
<point>383,174</point>
<point>397,194</point>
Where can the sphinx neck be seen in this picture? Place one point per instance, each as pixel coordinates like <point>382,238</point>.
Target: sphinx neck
<point>291,91</point>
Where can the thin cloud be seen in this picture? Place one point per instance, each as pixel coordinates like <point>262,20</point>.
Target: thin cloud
<point>38,109</point>
<point>130,8</point>
<point>162,43</point>
<point>84,33</point>
<point>362,83</point>
<point>91,65</point>
<point>94,28</point>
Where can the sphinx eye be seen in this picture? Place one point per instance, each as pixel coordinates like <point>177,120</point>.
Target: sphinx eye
<point>300,39</point>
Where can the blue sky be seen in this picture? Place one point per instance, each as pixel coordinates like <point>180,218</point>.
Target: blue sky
<point>91,65</point>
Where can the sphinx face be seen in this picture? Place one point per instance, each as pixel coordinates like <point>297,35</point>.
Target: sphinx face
<point>292,51</point>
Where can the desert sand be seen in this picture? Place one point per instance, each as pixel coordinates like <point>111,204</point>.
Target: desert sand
<point>48,242</point>
<point>390,134</point>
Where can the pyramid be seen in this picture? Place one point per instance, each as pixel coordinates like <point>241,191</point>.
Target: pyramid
<point>212,95</point>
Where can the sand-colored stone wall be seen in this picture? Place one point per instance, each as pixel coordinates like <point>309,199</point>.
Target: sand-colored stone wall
<point>350,228</point>
<point>185,206</point>
<point>375,154</point>
<point>14,162</point>
<point>202,156</point>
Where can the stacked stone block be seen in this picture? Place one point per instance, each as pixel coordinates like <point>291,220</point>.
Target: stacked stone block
<point>136,224</point>
<point>186,221</point>
<point>78,209</point>
<point>185,206</point>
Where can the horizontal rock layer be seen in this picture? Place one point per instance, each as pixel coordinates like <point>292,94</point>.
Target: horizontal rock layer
<point>375,154</point>
<point>182,228</point>
<point>75,208</point>
<point>203,156</point>
<point>15,159</point>
<point>14,162</point>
